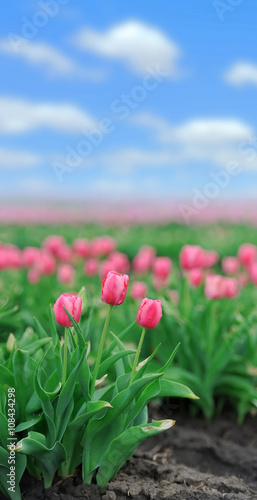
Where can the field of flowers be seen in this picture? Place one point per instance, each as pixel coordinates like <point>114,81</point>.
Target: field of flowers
<point>96,322</point>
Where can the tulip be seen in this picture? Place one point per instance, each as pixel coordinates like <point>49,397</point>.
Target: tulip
<point>64,253</point>
<point>82,247</point>
<point>72,303</point>
<point>191,256</point>
<point>213,287</point>
<point>114,288</point>
<point>247,253</point>
<point>253,273</point>
<point>230,265</point>
<point>46,263</point>
<point>162,267</point>
<point>138,290</point>
<point>65,273</point>
<point>103,246</point>
<point>33,276</point>
<point>119,261</point>
<point>143,260</point>
<point>230,288</point>
<point>149,313</point>
<point>53,243</point>
<point>195,277</point>
<point>30,256</point>
<point>209,258</point>
<point>91,267</point>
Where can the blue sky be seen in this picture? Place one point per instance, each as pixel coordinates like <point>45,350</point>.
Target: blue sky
<point>121,100</point>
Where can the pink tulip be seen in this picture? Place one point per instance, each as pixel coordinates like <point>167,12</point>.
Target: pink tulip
<point>247,253</point>
<point>105,268</point>
<point>138,290</point>
<point>65,273</point>
<point>53,243</point>
<point>82,247</point>
<point>114,288</point>
<point>149,313</point>
<point>195,277</point>
<point>191,256</point>
<point>230,287</point>
<point>30,256</point>
<point>33,276</point>
<point>142,262</point>
<point>213,286</point>
<point>64,253</point>
<point>46,263</point>
<point>119,261</point>
<point>73,305</point>
<point>162,267</point>
<point>209,258</point>
<point>230,265</point>
<point>91,267</point>
<point>244,278</point>
<point>104,245</point>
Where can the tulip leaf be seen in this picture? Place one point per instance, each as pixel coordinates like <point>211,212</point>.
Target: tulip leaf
<point>106,365</point>
<point>175,390</point>
<point>123,447</point>
<point>6,376</point>
<point>48,459</point>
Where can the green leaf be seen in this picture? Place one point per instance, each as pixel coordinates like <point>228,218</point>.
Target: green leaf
<point>81,340</point>
<point>99,433</point>
<point>123,447</point>
<point>67,391</point>
<point>110,348</point>
<point>175,390</point>
<point>24,368</point>
<point>6,376</point>
<point>106,365</point>
<point>48,459</point>
<point>26,425</point>
<point>41,331</point>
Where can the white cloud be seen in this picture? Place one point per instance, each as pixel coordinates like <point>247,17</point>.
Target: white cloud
<point>211,141</point>
<point>18,159</point>
<point>242,73</point>
<point>48,58</point>
<point>17,116</point>
<point>128,159</point>
<point>139,45</point>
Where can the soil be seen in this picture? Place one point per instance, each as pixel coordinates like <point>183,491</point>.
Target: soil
<point>195,460</point>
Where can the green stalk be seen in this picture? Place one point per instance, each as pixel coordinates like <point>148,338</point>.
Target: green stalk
<point>100,351</point>
<point>137,355</point>
<point>65,356</point>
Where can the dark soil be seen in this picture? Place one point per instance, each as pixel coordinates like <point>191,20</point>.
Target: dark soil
<point>193,460</point>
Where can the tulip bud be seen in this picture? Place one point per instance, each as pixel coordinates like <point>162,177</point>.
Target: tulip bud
<point>138,290</point>
<point>73,305</point>
<point>247,254</point>
<point>214,286</point>
<point>114,288</point>
<point>149,313</point>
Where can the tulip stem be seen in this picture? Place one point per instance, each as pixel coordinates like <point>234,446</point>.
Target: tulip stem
<point>137,355</point>
<point>65,356</point>
<point>100,351</point>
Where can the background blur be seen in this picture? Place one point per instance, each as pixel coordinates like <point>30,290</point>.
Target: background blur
<point>131,104</point>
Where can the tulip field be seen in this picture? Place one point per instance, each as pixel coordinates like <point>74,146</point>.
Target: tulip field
<point>96,322</point>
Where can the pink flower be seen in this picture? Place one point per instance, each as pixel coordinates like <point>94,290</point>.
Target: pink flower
<point>230,265</point>
<point>64,253</point>
<point>149,313</point>
<point>91,267</point>
<point>65,273</point>
<point>33,276</point>
<point>103,245</point>
<point>213,286</point>
<point>73,305</point>
<point>162,267</point>
<point>30,256</point>
<point>53,243</point>
<point>209,258</point>
<point>247,254</point>
<point>46,263</point>
<point>119,261</point>
<point>142,262</point>
<point>230,287</point>
<point>138,290</point>
<point>82,247</point>
<point>195,277</point>
<point>191,256</point>
<point>114,288</point>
